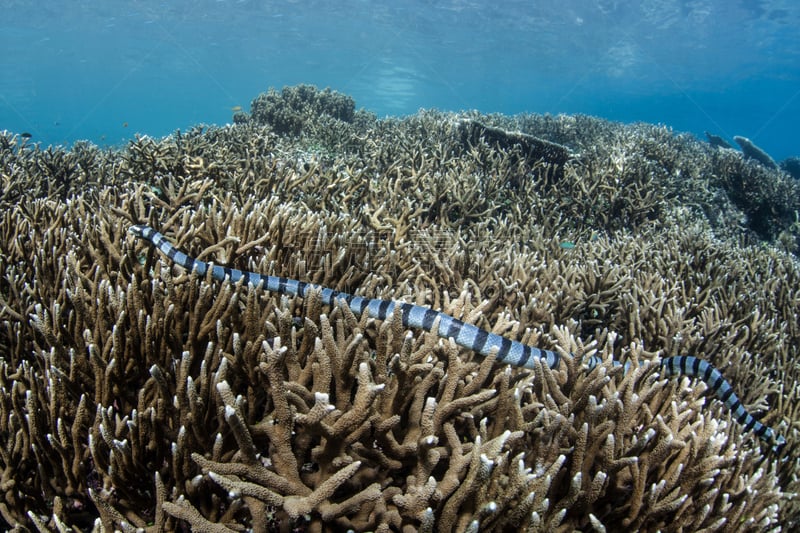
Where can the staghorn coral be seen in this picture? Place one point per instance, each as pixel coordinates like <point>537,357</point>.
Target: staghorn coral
<point>769,200</point>
<point>172,427</point>
<point>292,109</point>
<point>136,395</point>
<point>466,335</point>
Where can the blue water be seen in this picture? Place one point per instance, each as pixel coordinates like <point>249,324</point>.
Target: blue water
<point>104,71</point>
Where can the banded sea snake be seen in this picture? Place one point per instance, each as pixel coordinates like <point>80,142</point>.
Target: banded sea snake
<point>464,334</point>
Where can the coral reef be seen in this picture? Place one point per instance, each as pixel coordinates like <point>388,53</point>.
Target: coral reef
<point>717,141</point>
<point>751,151</point>
<point>136,395</point>
<point>769,200</point>
<point>474,132</point>
<point>791,165</point>
<point>287,112</point>
<point>465,335</point>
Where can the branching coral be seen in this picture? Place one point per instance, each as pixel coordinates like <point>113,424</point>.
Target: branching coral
<point>292,109</point>
<point>137,395</point>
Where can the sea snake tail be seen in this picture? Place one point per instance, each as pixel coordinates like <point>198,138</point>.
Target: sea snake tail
<point>464,334</point>
<point>688,365</point>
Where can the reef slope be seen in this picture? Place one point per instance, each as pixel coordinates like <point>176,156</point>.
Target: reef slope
<point>137,396</point>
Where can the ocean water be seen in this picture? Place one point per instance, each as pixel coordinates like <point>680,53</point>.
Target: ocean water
<point>104,71</point>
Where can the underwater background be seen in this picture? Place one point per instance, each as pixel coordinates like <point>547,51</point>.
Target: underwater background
<point>103,71</point>
<point>472,267</point>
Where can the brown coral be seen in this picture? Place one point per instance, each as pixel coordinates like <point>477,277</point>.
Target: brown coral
<point>138,396</point>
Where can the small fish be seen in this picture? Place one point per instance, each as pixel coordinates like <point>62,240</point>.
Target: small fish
<point>25,135</point>
<point>567,245</point>
<point>236,108</point>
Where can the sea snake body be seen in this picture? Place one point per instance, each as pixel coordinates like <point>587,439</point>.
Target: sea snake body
<point>466,335</point>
